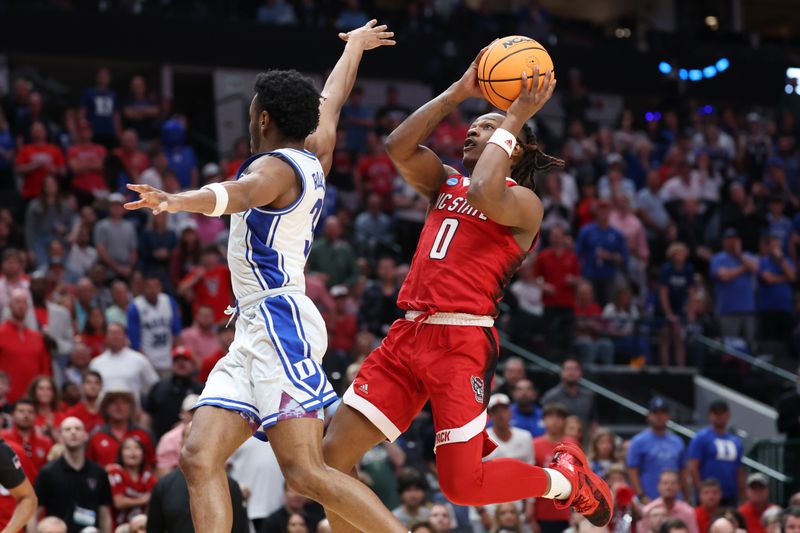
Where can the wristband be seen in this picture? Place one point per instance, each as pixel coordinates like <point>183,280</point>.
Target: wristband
<point>221,198</point>
<point>504,139</point>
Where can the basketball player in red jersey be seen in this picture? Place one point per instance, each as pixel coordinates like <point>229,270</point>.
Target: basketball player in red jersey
<point>477,232</point>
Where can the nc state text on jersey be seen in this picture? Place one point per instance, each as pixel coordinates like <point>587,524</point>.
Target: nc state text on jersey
<point>457,204</point>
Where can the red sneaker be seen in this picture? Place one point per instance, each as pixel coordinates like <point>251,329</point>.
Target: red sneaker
<point>590,495</point>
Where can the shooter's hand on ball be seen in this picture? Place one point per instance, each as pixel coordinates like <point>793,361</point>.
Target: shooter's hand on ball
<point>532,99</point>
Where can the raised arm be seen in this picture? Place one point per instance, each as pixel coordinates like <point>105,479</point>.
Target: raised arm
<point>517,207</point>
<point>268,179</point>
<point>339,84</point>
<point>418,165</point>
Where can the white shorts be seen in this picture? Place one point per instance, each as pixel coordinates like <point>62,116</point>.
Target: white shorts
<point>273,369</point>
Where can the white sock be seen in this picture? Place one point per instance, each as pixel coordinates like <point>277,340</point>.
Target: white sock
<point>560,487</point>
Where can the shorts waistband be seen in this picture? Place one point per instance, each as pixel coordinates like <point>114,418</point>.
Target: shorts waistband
<point>451,319</point>
<point>257,297</point>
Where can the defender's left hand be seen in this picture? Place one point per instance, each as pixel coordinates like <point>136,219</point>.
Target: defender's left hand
<point>369,36</point>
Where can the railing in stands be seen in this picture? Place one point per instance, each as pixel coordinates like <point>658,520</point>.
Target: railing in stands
<point>549,366</point>
<point>783,456</point>
<point>753,361</point>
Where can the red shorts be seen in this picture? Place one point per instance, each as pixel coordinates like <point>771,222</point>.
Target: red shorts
<point>453,366</point>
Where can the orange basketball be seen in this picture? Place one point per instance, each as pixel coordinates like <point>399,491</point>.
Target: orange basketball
<point>500,68</point>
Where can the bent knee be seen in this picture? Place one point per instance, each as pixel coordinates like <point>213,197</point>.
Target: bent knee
<point>195,461</point>
<point>308,480</point>
<point>458,488</point>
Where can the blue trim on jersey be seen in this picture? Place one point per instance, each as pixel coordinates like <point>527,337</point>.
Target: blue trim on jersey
<point>246,163</point>
<point>289,208</point>
<point>291,346</point>
<point>305,153</point>
<point>222,404</point>
<point>262,228</point>
<point>248,253</point>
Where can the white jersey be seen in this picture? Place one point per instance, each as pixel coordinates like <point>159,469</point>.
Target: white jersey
<point>151,328</point>
<point>268,248</point>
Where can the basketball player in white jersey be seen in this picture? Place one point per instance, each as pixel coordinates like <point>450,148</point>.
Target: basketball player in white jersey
<point>271,380</point>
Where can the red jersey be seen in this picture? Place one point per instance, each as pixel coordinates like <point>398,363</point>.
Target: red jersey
<point>213,290</point>
<point>90,420</point>
<point>752,516</point>
<point>543,509</point>
<point>122,483</point>
<point>51,158</point>
<point>554,269</point>
<point>91,180</point>
<point>103,446</point>
<point>7,501</point>
<point>35,448</point>
<point>463,260</point>
<point>23,356</point>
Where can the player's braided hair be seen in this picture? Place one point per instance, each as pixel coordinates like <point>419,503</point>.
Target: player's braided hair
<point>532,159</point>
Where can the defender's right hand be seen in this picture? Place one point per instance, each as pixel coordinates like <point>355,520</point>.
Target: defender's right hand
<point>151,198</point>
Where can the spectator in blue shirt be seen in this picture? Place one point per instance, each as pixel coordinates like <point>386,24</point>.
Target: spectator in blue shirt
<point>182,160</point>
<point>778,224</point>
<point>6,155</point>
<point>276,13</point>
<point>676,294</point>
<point>717,453</point>
<point>602,253</point>
<point>351,16</point>
<point>100,106</point>
<point>776,274</point>
<point>357,121</point>
<point>654,450</point>
<point>734,283</point>
<point>525,412</point>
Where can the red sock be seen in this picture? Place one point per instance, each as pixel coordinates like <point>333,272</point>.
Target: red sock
<point>466,480</point>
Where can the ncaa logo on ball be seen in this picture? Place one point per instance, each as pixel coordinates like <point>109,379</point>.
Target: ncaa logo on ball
<point>452,181</point>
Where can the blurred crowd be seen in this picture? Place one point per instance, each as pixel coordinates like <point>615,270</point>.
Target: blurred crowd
<point>658,230</point>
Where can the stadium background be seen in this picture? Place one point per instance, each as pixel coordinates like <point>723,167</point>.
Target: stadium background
<point>648,92</point>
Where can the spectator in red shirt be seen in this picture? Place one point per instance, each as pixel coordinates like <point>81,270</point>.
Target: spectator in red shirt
<point>22,432</point>
<point>36,160</point>
<point>550,519</point>
<point>9,497</point>
<point>590,327</point>
<point>341,321</point>
<point>757,502</point>
<point>710,498</point>
<point>134,160</point>
<point>375,172</point>
<point>584,211</point>
<point>44,394</point>
<point>86,163</point>
<point>449,135</point>
<point>88,409</point>
<point>225,338</point>
<point>201,338</point>
<point>131,481</point>
<point>557,265</point>
<point>22,350</point>
<point>117,409</point>
<point>94,333</point>
<point>208,285</point>
<point>241,151</point>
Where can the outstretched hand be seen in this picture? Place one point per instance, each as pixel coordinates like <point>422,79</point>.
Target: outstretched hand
<point>151,198</point>
<point>531,100</point>
<point>369,36</point>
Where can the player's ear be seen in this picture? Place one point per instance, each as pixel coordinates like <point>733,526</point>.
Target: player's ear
<point>263,123</point>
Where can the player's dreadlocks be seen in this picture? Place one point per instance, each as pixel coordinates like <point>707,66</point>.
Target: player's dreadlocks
<point>532,159</point>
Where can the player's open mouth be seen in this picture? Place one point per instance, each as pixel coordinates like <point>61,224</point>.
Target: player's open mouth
<point>469,143</point>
